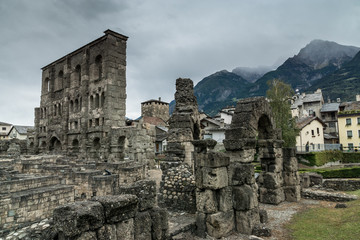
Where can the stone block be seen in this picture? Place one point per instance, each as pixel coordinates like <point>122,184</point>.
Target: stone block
<point>107,232</point>
<point>87,236</point>
<point>315,179</point>
<point>272,180</point>
<point>235,144</point>
<point>246,220</point>
<point>214,160</point>
<point>206,201</point>
<point>200,224</point>
<point>261,231</point>
<point>225,199</point>
<point>203,146</point>
<point>272,196</point>
<point>291,164</point>
<point>291,178</point>
<point>244,198</point>
<point>304,180</point>
<point>214,178</point>
<point>145,190</point>
<point>75,218</point>
<point>242,156</point>
<point>142,226</point>
<point>160,223</point>
<point>118,208</point>
<point>292,193</point>
<point>220,224</point>
<point>241,173</point>
<point>263,216</point>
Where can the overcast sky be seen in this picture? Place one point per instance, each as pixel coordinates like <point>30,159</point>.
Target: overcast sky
<point>167,40</point>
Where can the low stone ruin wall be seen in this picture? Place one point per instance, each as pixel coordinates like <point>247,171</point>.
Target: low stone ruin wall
<point>24,207</point>
<point>5,144</point>
<point>125,216</point>
<point>342,184</point>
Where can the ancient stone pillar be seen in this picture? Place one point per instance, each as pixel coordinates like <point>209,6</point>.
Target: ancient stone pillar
<point>291,176</point>
<point>177,188</point>
<point>214,196</point>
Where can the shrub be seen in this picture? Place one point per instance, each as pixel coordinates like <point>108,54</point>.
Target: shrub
<point>321,158</point>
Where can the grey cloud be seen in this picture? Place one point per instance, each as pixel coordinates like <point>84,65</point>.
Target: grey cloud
<point>167,40</point>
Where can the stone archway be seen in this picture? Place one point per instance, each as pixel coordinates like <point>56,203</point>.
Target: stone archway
<point>227,193</point>
<point>55,144</point>
<point>75,145</point>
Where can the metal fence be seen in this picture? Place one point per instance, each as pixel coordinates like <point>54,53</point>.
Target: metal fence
<point>324,147</point>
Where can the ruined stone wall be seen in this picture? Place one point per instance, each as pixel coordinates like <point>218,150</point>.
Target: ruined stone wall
<point>178,189</point>
<point>26,206</point>
<point>5,145</point>
<point>227,195</point>
<point>123,216</point>
<point>184,127</point>
<point>83,96</point>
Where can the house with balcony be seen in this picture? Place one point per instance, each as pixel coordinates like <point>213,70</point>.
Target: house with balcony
<point>349,125</point>
<point>329,113</point>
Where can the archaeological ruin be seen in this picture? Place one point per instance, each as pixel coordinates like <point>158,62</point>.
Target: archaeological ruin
<point>87,171</point>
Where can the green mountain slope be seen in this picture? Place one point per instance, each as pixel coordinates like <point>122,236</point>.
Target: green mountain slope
<point>220,90</point>
<point>343,83</point>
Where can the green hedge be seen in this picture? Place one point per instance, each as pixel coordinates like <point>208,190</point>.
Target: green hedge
<point>336,173</point>
<point>321,158</point>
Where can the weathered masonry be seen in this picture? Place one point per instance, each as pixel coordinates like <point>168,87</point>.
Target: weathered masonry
<point>83,100</point>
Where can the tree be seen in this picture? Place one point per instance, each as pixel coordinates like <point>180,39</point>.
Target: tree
<point>280,94</point>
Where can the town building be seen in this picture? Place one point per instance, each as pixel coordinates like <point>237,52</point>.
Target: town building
<point>4,130</point>
<point>19,132</point>
<point>329,112</point>
<point>311,135</point>
<point>349,125</point>
<point>305,105</point>
<point>155,108</point>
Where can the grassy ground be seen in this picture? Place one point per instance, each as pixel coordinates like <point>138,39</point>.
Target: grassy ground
<point>328,223</point>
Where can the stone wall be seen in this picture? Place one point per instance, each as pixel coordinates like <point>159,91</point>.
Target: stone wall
<point>114,217</point>
<point>178,189</point>
<point>27,206</point>
<point>184,127</point>
<point>21,147</point>
<point>83,97</point>
<point>342,184</point>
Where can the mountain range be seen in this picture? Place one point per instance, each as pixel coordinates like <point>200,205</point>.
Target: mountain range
<point>320,64</point>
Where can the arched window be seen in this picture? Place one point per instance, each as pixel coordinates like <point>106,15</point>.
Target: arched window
<point>71,106</point>
<point>47,84</point>
<point>96,143</point>
<point>76,105</point>
<point>98,69</point>
<point>97,99</point>
<point>78,75</point>
<point>59,84</point>
<point>91,102</point>
<point>55,110</point>
<point>59,109</point>
<point>102,99</point>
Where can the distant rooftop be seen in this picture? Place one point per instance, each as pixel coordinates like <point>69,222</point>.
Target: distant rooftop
<point>313,97</point>
<point>330,107</point>
<point>5,124</point>
<point>23,129</point>
<point>302,122</point>
<point>154,100</point>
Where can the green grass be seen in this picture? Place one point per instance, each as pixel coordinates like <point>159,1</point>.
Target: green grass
<point>328,223</point>
<point>357,192</point>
